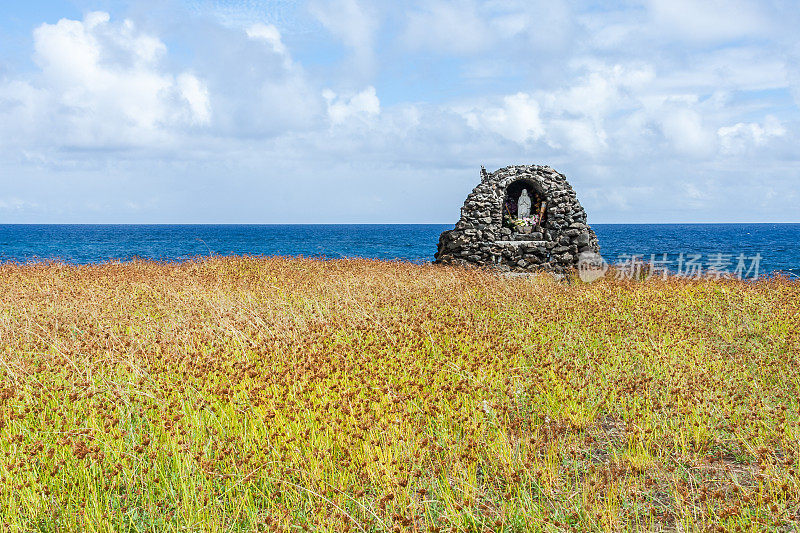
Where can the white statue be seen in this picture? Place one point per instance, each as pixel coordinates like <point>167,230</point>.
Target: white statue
<point>524,204</point>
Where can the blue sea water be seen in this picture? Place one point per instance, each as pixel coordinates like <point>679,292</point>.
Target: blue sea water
<point>776,245</point>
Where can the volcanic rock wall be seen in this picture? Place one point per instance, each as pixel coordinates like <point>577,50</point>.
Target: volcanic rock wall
<point>483,237</point>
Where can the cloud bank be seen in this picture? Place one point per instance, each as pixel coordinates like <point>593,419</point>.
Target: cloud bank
<point>351,111</point>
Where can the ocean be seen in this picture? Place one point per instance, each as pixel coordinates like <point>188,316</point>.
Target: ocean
<point>770,248</point>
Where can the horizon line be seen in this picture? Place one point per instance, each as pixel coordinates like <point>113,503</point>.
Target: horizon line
<point>350,223</point>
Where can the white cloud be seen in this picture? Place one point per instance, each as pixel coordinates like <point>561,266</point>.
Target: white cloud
<point>361,106</point>
<point>576,135</point>
<point>353,24</point>
<point>516,119</point>
<point>743,136</point>
<point>101,84</point>
<point>579,113</point>
<point>687,133</point>
<point>621,197</point>
<point>623,112</point>
<point>196,94</point>
<point>467,27</point>
<point>24,110</point>
<point>793,72</point>
<point>16,204</point>
<point>708,20</point>
<point>243,13</point>
<point>270,34</point>
<point>448,27</point>
<point>601,88</point>
<point>255,87</point>
<point>570,118</point>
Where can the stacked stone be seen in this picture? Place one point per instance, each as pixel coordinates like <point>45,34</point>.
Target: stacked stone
<point>479,237</point>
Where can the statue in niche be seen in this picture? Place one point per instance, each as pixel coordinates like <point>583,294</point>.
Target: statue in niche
<point>524,205</point>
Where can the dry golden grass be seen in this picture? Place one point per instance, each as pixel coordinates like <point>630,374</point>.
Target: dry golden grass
<point>248,394</point>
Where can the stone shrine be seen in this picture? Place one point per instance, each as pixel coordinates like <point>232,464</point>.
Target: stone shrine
<point>520,218</point>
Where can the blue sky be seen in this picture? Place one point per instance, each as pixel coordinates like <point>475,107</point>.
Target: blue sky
<point>343,111</point>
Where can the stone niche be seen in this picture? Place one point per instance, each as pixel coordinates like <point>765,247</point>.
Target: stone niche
<point>492,233</point>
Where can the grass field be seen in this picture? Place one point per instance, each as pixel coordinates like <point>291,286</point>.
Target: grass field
<point>247,394</point>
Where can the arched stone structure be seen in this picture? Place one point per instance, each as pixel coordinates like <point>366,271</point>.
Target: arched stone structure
<point>482,238</point>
